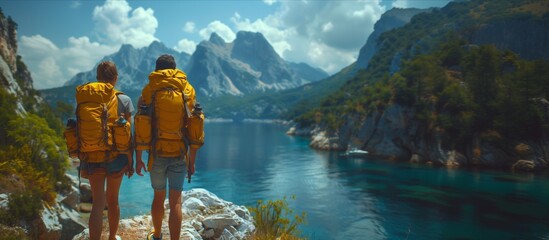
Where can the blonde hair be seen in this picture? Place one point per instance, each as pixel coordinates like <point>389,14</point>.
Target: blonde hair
<point>106,72</point>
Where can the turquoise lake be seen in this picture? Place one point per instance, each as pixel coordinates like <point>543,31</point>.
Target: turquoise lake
<point>359,198</point>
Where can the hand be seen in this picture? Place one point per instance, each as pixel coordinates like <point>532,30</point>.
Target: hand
<point>129,172</point>
<point>139,166</point>
<point>190,171</point>
<point>129,168</point>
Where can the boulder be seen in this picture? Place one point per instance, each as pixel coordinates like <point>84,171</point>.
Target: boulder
<point>524,165</point>
<point>85,193</point>
<point>47,226</point>
<point>72,198</point>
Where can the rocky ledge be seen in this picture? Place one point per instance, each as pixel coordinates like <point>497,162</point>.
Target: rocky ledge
<point>205,216</point>
<point>395,133</point>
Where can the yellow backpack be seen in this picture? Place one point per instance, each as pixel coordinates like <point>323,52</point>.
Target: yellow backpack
<point>97,136</point>
<point>166,126</point>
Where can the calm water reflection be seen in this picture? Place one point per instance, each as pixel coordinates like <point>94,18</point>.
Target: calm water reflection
<point>353,198</point>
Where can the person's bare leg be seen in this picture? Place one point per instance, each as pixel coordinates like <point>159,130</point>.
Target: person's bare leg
<point>113,190</point>
<point>97,183</point>
<point>176,217</point>
<point>157,211</point>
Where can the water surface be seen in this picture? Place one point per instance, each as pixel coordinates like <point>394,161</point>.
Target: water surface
<point>359,198</point>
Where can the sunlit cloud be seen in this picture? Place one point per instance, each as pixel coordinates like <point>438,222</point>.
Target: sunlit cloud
<point>220,28</point>
<point>189,27</point>
<point>117,23</point>
<point>185,45</point>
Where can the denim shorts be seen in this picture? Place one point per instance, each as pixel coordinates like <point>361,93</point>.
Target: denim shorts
<point>113,168</point>
<point>172,169</point>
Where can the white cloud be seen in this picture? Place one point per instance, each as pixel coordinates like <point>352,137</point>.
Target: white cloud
<point>270,27</point>
<point>115,25</point>
<point>220,28</point>
<point>185,45</point>
<point>189,27</point>
<point>419,4</point>
<point>328,36</point>
<point>269,2</point>
<point>400,4</point>
<point>52,66</point>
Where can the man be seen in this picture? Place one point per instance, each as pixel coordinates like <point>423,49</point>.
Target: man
<point>172,133</point>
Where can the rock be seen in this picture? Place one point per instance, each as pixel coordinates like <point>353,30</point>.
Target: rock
<point>47,226</point>
<point>208,233</point>
<point>72,198</point>
<point>227,235</point>
<point>193,206</point>
<point>416,158</point>
<point>71,222</point>
<point>85,207</point>
<point>220,223</point>
<point>524,165</point>
<point>85,193</point>
<point>4,197</point>
<point>299,131</point>
<point>523,149</point>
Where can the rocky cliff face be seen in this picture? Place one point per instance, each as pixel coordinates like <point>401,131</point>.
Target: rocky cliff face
<point>14,75</point>
<point>527,38</point>
<point>389,20</point>
<point>396,134</point>
<point>8,41</point>
<point>247,65</point>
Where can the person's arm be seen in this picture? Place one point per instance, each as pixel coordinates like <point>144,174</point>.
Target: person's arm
<point>139,164</point>
<point>130,171</point>
<point>192,160</point>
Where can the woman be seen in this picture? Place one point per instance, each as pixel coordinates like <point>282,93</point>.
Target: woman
<point>112,172</point>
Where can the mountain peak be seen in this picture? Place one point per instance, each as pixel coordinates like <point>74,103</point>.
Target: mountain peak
<point>126,47</point>
<point>157,45</point>
<point>247,34</point>
<point>254,48</point>
<point>216,39</point>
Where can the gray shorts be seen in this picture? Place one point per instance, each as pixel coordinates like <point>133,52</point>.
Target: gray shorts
<point>172,169</point>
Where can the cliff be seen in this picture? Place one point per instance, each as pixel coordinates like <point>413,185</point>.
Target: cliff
<point>8,41</point>
<point>420,100</point>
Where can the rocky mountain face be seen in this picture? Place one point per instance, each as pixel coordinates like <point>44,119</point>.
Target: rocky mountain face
<point>14,76</point>
<point>511,34</point>
<point>247,65</point>
<point>395,132</point>
<point>133,65</point>
<point>389,20</point>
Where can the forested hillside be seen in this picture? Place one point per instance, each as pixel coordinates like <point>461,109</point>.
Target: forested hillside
<point>438,91</point>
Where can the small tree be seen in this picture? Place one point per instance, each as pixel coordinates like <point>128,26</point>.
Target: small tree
<point>275,220</point>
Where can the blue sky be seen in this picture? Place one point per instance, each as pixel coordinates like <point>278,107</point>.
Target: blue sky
<point>58,39</point>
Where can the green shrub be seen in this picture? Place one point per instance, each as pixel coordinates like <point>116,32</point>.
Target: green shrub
<point>11,233</point>
<point>25,205</point>
<point>275,220</point>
